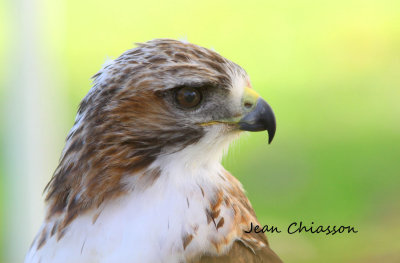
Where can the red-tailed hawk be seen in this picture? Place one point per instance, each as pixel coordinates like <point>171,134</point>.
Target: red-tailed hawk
<point>140,178</point>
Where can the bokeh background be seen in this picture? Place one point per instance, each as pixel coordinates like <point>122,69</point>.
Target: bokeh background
<point>330,70</point>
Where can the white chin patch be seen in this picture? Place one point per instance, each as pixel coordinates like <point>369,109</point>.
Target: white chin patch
<point>212,146</point>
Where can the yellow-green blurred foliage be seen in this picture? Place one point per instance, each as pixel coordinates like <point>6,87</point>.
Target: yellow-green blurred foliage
<point>329,69</point>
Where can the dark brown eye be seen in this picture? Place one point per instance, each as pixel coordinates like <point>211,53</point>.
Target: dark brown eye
<point>188,97</point>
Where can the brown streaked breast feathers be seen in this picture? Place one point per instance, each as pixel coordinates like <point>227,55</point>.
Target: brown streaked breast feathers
<point>241,252</point>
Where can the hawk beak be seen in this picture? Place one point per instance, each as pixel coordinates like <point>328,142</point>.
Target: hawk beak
<point>260,117</point>
<point>257,115</point>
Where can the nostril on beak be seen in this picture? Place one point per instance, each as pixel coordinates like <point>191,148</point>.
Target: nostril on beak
<point>248,105</point>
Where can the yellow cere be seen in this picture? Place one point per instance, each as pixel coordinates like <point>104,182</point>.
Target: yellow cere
<point>250,95</point>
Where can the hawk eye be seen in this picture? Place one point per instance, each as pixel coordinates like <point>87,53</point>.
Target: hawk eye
<point>188,97</point>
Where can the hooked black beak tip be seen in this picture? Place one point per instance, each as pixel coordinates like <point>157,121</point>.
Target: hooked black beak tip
<point>271,134</point>
<point>261,118</point>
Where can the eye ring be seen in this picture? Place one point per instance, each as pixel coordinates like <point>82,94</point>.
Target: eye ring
<point>188,97</point>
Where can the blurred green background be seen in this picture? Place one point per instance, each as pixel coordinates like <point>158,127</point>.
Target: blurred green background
<point>330,70</point>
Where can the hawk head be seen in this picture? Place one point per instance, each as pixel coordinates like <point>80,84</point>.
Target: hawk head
<point>160,98</point>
